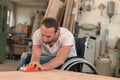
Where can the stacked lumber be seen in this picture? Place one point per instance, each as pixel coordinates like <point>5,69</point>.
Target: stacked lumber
<point>63,11</point>
<point>70,12</point>
<point>56,10</point>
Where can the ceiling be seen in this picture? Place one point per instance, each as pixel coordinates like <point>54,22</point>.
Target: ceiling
<point>28,2</point>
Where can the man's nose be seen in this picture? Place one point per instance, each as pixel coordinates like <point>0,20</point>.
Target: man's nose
<point>45,38</point>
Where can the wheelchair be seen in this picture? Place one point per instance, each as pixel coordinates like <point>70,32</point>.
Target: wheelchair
<point>75,64</point>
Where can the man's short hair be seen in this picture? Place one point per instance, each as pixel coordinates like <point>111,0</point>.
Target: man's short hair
<point>50,22</point>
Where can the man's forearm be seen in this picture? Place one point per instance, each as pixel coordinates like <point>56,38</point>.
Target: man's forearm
<point>36,53</point>
<point>35,57</point>
<point>59,59</point>
<point>54,63</point>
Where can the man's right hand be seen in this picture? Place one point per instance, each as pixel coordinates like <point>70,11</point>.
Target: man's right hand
<point>31,67</point>
<point>37,65</point>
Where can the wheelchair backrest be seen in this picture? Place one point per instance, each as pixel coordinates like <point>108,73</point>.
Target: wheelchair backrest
<point>80,46</point>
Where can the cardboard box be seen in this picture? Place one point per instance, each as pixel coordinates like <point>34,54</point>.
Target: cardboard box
<point>19,49</point>
<point>24,28</point>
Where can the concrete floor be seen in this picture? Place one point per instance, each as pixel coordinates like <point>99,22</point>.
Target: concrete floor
<point>9,65</point>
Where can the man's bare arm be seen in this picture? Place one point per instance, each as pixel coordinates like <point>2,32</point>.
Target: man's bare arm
<point>36,52</point>
<point>59,59</point>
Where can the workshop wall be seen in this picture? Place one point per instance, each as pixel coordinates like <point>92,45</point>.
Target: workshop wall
<point>24,15</point>
<point>95,15</point>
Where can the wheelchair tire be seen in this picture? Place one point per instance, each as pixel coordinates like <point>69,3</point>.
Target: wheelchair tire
<point>70,63</point>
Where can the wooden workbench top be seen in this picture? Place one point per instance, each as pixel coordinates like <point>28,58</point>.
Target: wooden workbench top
<point>51,75</point>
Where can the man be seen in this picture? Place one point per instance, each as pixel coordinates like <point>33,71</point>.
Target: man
<point>58,45</point>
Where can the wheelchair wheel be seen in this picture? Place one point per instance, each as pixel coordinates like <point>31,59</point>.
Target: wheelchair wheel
<point>76,65</point>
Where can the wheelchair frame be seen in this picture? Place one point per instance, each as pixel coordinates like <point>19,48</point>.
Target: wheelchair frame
<point>78,60</point>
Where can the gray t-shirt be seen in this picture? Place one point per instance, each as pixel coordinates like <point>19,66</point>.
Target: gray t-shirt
<point>65,38</point>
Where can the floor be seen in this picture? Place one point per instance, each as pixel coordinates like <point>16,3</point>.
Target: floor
<point>9,65</point>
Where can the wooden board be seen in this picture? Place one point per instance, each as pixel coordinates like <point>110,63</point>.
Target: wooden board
<point>69,14</point>
<point>61,14</point>
<point>51,75</point>
<point>72,22</point>
<point>53,8</point>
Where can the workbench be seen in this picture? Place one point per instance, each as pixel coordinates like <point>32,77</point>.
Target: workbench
<point>51,75</point>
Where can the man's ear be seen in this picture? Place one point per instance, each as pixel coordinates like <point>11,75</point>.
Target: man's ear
<point>57,32</point>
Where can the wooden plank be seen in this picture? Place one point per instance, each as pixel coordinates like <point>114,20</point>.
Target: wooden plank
<point>48,8</point>
<point>65,15</point>
<point>68,14</point>
<point>72,22</point>
<point>53,8</point>
<point>51,75</point>
<point>60,14</point>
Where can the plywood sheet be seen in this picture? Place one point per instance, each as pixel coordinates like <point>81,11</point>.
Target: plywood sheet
<point>51,75</point>
<point>61,14</point>
<point>53,8</point>
<point>68,14</point>
<point>72,20</point>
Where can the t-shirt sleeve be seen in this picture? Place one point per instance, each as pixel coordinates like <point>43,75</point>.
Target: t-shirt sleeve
<point>36,38</point>
<point>68,39</point>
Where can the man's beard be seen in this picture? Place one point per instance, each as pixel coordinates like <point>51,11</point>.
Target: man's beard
<point>49,42</point>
